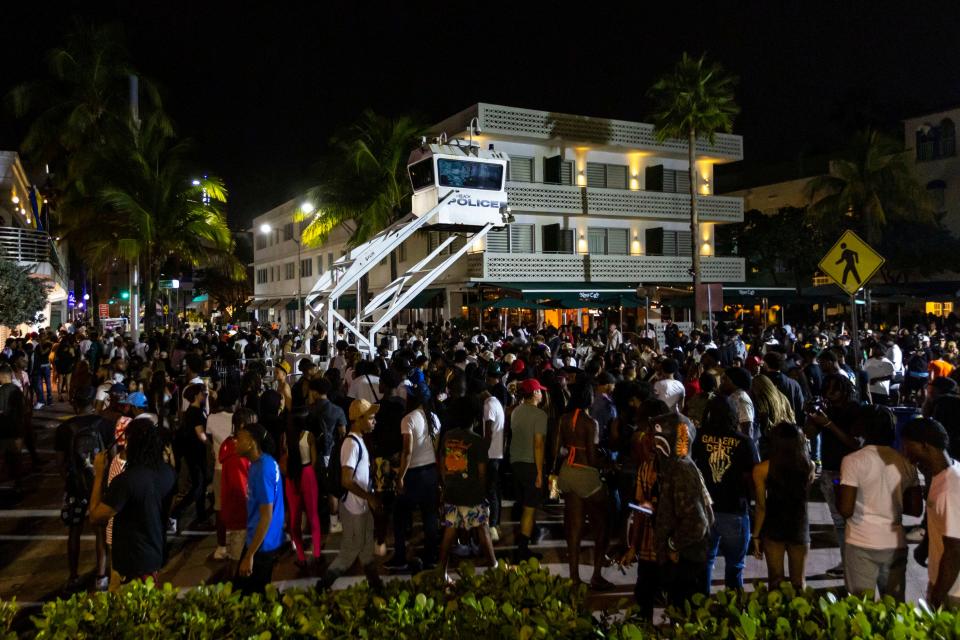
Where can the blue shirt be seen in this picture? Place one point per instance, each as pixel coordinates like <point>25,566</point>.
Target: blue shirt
<point>265,486</point>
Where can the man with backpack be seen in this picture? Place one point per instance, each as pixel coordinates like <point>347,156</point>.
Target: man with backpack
<point>77,442</point>
<point>358,500</point>
<point>12,418</point>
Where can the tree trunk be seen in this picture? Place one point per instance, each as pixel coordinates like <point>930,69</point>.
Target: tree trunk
<point>694,227</point>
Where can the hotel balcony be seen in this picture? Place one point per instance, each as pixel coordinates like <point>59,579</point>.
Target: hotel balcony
<point>31,248</point>
<point>649,205</point>
<point>555,267</point>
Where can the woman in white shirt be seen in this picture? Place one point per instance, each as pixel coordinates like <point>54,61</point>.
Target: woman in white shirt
<point>417,479</point>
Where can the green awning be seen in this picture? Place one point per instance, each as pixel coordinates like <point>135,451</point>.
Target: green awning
<point>427,299</point>
<point>201,298</point>
<point>292,304</point>
<point>347,301</point>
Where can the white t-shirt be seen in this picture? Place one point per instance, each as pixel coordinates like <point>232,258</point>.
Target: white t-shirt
<point>744,403</point>
<point>103,393</point>
<point>671,392</point>
<point>354,454</point>
<point>219,426</point>
<point>414,424</point>
<point>879,368</point>
<point>493,411</point>
<point>368,390</point>
<point>881,475</point>
<point>943,518</point>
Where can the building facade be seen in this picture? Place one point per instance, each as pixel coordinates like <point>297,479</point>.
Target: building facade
<point>599,207</point>
<point>25,237</point>
<point>931,140</point>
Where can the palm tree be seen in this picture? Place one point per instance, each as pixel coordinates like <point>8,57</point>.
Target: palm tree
<point>153,211</point>
<point>870,185</point>
<point>694,99</point>
<point>83,105</point>
<point>365,186</point>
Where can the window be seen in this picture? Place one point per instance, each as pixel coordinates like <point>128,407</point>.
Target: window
<point>261,241</point>
<point>320,264</point>
<point>557,171</point>
<point>514,238</point>
<point>608,176</point>
<point>421,174</point>
<point>667,180</point>
<point>618,242</point>
<point>937,190</point>
<point>288,270</point>
<point>521,238</point>
<point>271,274</point>
<point>596,241</point>
<point>330,261</point>
<point>521,169</point>
<point>261,276</point>
<point>305,223</point>
<point>306,268</point>
<point>498,241</point>
<point>556,240</point>
<point>934,142</point>
<point>470,174</point>
<point>665,242</point>
<point>288,231</point>
<point>402,253</point>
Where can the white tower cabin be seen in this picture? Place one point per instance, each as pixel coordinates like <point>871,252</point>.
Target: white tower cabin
<point>476,177</point>
<point>458,188</point>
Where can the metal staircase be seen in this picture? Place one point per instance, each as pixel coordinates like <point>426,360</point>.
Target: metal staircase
<point>346,273</point>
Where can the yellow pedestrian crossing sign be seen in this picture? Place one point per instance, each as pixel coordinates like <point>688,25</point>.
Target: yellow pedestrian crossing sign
<point>851,262</point>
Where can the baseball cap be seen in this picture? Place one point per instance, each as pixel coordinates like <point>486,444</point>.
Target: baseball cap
<point>137,399</point>
<point>530,385</point>
<point>494,371</point>
<point>361,408</point>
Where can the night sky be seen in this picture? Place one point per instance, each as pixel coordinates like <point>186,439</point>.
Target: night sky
<point>261,86</point>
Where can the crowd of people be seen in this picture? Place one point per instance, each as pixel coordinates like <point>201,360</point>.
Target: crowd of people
<point>668,451</point>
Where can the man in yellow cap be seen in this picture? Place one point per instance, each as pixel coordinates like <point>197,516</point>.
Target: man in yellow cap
<point>358,501</point>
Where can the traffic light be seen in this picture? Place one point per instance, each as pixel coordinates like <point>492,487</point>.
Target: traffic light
<point>125,295</point>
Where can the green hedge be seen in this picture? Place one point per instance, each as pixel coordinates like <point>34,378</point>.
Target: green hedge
<point>523,602</point>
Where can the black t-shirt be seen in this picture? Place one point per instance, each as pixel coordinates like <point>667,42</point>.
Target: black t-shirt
<point>140,496</point>
<point>461,453</point>
<point>191,444</point>
<point>832,450</point>
<point>726,461</point>
<point>386,436</point>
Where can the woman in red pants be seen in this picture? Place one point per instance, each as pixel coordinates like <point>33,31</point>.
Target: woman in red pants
<point>301,485</point>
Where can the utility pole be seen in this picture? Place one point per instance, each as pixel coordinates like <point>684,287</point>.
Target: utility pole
<point>134,284</point>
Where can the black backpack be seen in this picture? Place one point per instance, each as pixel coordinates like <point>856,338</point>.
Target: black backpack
<point>86,442</point>
<point>335,479</point>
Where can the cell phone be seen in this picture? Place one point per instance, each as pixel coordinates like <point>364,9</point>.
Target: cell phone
<point>640,508</point>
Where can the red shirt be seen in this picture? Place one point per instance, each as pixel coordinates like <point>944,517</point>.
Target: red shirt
<point>233,486</point>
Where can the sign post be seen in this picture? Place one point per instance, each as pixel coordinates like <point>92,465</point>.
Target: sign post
<point>851,263</point>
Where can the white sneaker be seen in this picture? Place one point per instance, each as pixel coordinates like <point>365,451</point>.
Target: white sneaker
<point>221,554</point>
<point>917,534</point>
<point>380,549</point>
<point>494,534</point>
<point>336,527</point>
<point>171,526</point>
<point>38,406</point>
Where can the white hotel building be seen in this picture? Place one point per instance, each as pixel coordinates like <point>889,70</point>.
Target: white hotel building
<point>599,206</point>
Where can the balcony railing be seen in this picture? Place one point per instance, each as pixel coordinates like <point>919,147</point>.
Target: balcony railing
<point>526,124</point>
<point>536,197</point>
<point>552,267</point>
<point>29,247</point>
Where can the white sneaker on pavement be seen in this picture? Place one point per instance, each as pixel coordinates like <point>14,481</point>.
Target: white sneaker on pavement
<point>336,527</point>
<point>494,534</point>
<point>221,554</point>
